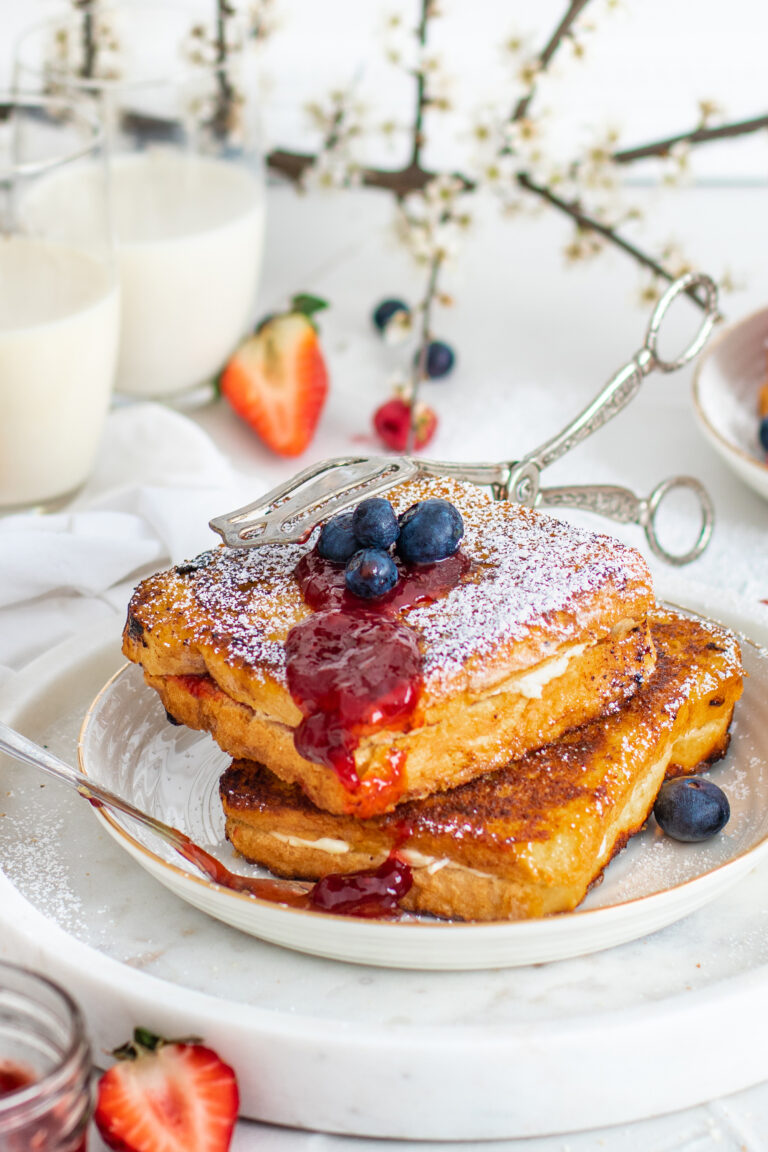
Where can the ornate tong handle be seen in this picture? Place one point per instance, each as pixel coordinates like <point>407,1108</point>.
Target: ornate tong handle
<point>624,507</point>
<point>524,476</point>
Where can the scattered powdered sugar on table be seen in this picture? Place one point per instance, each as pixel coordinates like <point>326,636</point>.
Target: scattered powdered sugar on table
<point>35,865</point>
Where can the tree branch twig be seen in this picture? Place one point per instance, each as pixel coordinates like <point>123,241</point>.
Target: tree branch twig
<point>589,223</point>
<point>421,92</point>
<point>414,177</point>
<point>547,53</point>
<point>697,136</point>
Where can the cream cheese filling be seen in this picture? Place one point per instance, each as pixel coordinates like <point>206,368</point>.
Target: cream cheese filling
<point>531,684</point>
<point>324,844</point>
<point>411,856</point>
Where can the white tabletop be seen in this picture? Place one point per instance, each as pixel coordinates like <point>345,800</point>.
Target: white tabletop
<point>535,340</point>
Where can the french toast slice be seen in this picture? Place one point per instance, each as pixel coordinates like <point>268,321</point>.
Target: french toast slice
<point>527,840</point>
<point>544,629</point>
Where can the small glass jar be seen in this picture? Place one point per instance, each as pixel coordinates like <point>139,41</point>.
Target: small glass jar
<point>45,1066</point>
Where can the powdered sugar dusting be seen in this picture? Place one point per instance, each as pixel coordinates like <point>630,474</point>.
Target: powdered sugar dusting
<point>35,865</point>
<point>527,568</point>
<point>533,568</point>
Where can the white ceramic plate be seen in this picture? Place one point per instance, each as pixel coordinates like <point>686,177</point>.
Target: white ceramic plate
<point>128,745</point>
<point>725,387</point>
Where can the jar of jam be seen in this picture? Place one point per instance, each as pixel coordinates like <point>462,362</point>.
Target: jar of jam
<point>45,1066</point>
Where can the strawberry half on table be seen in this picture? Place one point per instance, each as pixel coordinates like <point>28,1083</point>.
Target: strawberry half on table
<point>166,1096</point>
<point>277,380</point>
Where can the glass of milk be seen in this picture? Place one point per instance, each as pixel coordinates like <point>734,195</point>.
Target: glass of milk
<point>59,302</point>
<point>187,189</point>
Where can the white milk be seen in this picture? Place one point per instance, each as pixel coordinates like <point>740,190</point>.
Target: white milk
<point>59,316</point>
<point>190,234</point>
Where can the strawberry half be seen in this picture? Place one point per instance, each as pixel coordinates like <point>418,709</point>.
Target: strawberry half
<point>166,1096</point>
<point>277,380</point>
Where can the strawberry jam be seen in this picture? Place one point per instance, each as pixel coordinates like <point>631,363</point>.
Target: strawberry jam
<point>370,894</point>
<point>275,891</point>
<point>13,1077</point>
<point>322,584</point>
<point>352,668</point>
<point>350,674</point>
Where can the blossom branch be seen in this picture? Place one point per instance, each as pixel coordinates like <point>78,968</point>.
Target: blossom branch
<point>425,336</point>
<point>421,91</point>
<point>415,178</point>
<point>227,96</point>
<point>589,223</point>
<point>561,32</point>
<point>701,135</point>
<point>89,38</point>
<point>400,182</point>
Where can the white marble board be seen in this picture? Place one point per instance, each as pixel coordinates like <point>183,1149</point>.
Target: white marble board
<point>652,1026</point>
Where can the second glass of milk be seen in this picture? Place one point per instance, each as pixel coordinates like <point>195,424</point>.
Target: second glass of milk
<point>187,191</point>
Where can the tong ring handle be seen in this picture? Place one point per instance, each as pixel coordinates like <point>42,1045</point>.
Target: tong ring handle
<point>649,510</point>
<point>690,283</point>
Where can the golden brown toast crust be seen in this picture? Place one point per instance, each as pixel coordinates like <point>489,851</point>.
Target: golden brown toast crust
<point>460,738</point>
<point>536,589</point>
<point>527,840</point>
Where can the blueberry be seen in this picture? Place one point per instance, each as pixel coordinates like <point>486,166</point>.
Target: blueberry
<point>691,808</point>
<point>188,567</point>
<point>383,313</point>
<point>429,531</point>
<point>375,524</point>
<point>763,433</point>
<point>337,539</point>
<point>439,361</point>
<point>370,573</point>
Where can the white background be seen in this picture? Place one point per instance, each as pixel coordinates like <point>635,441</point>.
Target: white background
<point>647,64</point>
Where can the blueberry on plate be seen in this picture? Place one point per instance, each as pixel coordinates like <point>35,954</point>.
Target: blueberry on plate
<point>691,808</point>
<point>429,531</point>
<point>383,313</point>
<point>337,539</point>
<point>375,524</point>
<point>370,573</point>
<point>440,359</point>
<point>763,433</point>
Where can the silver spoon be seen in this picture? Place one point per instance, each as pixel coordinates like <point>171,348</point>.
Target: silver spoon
<point>275,891</point>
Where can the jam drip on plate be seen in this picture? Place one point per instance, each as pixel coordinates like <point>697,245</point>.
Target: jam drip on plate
<point>275,891</point>
<point>370,893</point>
<point>352,668</point>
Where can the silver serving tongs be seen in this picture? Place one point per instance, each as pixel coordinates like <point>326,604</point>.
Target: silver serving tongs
<point>290,512</point>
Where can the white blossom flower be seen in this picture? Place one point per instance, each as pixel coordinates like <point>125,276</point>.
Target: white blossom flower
<point>708,110</point>
<point>528,72</point>
<point>674,259</point>
<point>678,164</point>
<point>650,292</point>
<point>399,327</point>
<point>443,190</point>
<point>730,282</point>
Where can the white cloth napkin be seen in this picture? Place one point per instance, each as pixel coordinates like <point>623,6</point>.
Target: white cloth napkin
<point>157,482</point>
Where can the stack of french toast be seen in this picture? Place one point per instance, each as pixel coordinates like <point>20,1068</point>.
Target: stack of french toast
<point>500,718</point>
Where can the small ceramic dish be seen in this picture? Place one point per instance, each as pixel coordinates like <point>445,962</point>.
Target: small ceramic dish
<point>725,388</point>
